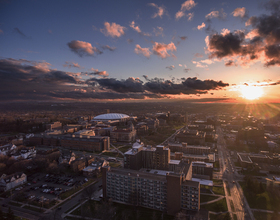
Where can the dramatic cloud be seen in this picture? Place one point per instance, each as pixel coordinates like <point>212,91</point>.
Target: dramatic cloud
<point>159,86</point>
<point>186,6</point>
<point>187,86</point>
<point>161,49</point>
<point>170,67</point>
<point>161,10</point>
<point>216,14</point>
<point>199,27</point>
<point>239,12</point>
<point>230,63</point>
<point>260,44</point>
<point>71,64</point>
<point>83,48</point>
<point>144,51</point>
<point>113,30</point>
<point>106,47</point>
<point>29,80</point>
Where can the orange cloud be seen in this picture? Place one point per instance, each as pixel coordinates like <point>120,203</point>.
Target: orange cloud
<point>144,51</point>
<point>161,49</point>
<point>113,30</point>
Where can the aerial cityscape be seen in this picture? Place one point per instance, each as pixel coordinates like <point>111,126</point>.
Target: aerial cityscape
<point>140,110</point>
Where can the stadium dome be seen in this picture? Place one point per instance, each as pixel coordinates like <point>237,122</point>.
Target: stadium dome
<point>110,116</point>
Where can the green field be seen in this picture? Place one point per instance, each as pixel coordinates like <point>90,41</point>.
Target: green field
<point>219,206</point>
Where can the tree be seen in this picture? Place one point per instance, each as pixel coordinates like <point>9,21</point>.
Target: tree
<point>10,215</point>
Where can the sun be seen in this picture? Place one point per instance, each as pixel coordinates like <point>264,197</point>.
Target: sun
<point>251,92</point>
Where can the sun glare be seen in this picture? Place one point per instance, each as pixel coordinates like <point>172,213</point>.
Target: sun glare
<point>251,92</point>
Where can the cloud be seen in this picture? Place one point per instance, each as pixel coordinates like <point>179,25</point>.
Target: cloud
<point>1,31</point>
<point>97,73</point>
<point>187,70</point>
<point>129,41</point>
<point>50,31</point>
<point>170,67</point>
<point>30,80</point>
<point>239,12</point>
<point>158,86</point>
<point>113,30</point>
<point>137,29</point>
<point>186,6</point>
<point>199,55</point>
<point>161,10</point>
<point>186,86</point>
<point>122,86</point>
<point>199,27</point>
<point>83,48</point>
<point>144,51</point>
<point>261,44</point>
<point>71,64</point>
<point>216,14</point>
<point>107,47</point>
<point>158,31</point>
<point>184,38</point>
<point>230,63</point>
<point>161,49</point>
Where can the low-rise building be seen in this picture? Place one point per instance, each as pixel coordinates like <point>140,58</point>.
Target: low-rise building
<point>12,181</point>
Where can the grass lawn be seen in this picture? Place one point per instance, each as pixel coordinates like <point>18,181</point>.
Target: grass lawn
<point>219,206</point>
<point>15,203</point>
<point>207,198</point>
<point>218,190</point>
<point>261,201</point>
<point>125,148</point>
<point>33,208</point>
<point>217,182</point>
<point>263,215</point>
<point>217,217</point>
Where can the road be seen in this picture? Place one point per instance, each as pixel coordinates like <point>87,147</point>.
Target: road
<point>229,173</point>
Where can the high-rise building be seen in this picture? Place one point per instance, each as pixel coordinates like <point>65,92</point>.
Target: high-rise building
<point>161,190</point>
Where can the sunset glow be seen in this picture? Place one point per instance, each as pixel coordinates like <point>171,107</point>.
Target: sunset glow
<point>252,92</point>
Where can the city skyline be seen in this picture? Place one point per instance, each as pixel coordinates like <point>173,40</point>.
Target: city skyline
<point>101,50</point>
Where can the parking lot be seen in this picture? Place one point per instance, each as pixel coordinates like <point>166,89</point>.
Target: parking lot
<point>49,186</point>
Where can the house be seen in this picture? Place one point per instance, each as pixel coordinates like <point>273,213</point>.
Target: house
<point>95,168</point>
<point>12,181</point>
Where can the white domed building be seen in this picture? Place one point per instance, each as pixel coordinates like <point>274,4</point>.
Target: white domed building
<point>111,117</point>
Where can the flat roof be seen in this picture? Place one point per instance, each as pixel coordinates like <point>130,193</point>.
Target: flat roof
<point>176,162</point>
<point>200,163</point>
<point>203,181</point>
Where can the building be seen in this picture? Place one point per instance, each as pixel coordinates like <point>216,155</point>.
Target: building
<point>192,137</point>
<point>162,190</point>
<point>12,181</point>
<point>111,117</point>
<point>93,144</point>
<point>123,134</point>
<point>94,168</point>
<point>189,149</point>
<point>54,126</point>
<point>147,157</point>
<point>202,170</point>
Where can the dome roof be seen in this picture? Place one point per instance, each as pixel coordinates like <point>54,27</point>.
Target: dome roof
<point>111,116</point>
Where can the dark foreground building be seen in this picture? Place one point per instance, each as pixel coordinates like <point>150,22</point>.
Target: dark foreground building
<point>161,190</point>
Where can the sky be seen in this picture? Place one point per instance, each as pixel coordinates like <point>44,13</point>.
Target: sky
<point>222,50</point>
